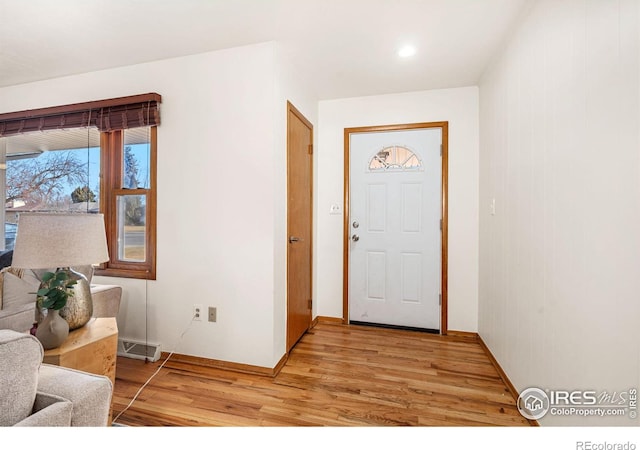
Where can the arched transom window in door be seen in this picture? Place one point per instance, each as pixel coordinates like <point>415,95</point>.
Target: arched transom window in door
<point>394,158</point>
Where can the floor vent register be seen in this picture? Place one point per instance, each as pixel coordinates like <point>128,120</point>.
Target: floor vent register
<point>138,350</point>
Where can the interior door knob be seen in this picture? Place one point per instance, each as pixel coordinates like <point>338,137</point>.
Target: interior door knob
<point>355,238</point>
<point>293,239</point>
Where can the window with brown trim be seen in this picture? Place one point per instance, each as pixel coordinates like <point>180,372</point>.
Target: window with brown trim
<point>127,129</point>
<point>128,201</point>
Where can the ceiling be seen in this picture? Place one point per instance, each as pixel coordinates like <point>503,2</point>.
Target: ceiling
<point>345,48</point>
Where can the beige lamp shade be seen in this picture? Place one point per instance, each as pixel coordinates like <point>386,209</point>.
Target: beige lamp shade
<point>52,240</point>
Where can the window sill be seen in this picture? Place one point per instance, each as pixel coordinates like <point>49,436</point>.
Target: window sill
<point>126,273</point>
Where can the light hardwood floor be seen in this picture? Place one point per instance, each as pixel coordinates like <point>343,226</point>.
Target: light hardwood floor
<point>337,375</point>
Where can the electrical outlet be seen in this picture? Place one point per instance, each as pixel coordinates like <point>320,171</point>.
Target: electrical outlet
<point>212,314</point>
<point>197,312</point>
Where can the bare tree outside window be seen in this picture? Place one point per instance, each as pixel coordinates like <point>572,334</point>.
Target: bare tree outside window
<point>44,182</point>
<point>130,169</point>
<point>134,207</point>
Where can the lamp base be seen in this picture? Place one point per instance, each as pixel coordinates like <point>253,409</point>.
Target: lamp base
<point>79,307</point>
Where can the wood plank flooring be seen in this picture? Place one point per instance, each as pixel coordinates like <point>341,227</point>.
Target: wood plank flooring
<point>337,375</point>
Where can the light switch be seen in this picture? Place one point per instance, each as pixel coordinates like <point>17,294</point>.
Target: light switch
<point>492,207</point>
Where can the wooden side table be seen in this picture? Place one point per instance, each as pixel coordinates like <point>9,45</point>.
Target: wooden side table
<point>91,348</point>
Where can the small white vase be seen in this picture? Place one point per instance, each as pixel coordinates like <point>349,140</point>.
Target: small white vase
<point>53,330</point>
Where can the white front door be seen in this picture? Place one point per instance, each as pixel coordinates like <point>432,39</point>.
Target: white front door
<point>395,211</point>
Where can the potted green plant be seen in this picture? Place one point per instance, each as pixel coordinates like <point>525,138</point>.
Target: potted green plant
<point>55,289</point>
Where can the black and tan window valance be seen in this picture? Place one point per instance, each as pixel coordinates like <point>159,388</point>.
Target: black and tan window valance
<point>107,115</point>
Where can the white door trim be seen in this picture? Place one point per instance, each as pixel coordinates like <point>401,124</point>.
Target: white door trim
<point>444,204</point>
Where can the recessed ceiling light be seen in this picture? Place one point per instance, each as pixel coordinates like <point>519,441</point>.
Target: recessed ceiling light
<point>406,51</point>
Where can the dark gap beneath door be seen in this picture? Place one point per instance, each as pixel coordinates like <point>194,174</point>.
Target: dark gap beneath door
<point>394,327</point>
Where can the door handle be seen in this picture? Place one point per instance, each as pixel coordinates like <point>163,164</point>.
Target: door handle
<point>293,239</point>
<point>355,238</point>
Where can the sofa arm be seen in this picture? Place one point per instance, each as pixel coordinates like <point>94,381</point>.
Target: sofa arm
<point>49,411</point>
<point>90,394</point>
<point>106,299</point>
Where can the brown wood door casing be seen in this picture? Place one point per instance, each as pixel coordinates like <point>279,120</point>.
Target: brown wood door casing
<point>444,257</point>
<point>299,224</point>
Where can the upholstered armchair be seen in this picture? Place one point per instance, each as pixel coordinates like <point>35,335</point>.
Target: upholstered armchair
<point>37,394</point>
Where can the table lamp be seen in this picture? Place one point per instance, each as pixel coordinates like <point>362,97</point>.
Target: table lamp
<point>58,242</point>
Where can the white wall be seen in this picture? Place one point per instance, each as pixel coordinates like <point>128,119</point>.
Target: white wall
<point>219,191</point>
<point>560,259</point>
<point>457,106</point>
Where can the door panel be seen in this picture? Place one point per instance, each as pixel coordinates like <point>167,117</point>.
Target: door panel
<point>376,268</point>
<point>299,204</point>
<point>411,207</point>
<point>395,212</point>
<point>377,208</point>
<point>411,269</point>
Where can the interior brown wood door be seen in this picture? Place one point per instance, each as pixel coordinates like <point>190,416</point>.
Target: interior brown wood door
<point>299,228</point>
